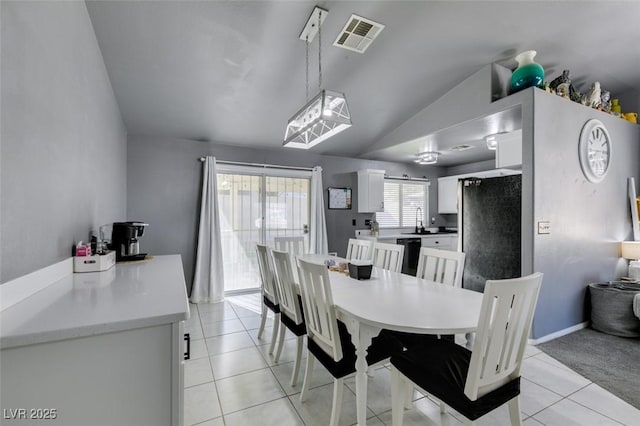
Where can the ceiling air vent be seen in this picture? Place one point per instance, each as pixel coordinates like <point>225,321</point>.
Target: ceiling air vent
<point>358,33</point>
<point>461,147</point>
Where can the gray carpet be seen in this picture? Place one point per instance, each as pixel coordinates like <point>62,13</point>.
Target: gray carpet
<point>611,362</point>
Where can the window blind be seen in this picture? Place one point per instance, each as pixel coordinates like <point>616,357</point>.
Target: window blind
<point>401,203</point>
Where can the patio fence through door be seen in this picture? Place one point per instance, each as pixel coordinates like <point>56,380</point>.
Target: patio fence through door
<point>256,207</point>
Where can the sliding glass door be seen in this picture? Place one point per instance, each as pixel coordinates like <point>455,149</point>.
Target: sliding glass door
<point>256,208</point>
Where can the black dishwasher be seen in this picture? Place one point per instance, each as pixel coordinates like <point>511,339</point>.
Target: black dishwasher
<point>411,253</point>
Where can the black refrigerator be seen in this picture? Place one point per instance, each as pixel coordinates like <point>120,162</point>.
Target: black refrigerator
<point>489,226</point>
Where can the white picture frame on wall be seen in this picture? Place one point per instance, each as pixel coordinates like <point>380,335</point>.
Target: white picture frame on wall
<point>633,203</point>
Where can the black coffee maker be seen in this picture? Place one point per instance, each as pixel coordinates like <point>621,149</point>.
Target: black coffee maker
<point>124,240</point>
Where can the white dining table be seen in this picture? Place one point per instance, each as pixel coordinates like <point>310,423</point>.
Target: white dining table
<point>396,301</point>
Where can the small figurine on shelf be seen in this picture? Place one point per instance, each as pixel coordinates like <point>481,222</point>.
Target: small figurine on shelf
<point>605,101</point>
<point>563,79</point>
<point>592,97</point>
<point>563,90</point>
<point>616,109</point>
<point>575,95</point>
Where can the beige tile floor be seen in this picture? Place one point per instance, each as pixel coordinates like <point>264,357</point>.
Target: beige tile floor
<point>232,380</point>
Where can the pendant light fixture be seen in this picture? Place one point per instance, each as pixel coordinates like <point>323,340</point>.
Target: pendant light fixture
<point>327,113</point>
<point>428,157</point>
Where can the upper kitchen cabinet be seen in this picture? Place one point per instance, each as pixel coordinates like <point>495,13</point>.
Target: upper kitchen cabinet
<point>448,195</point>
<point>509,150</point>
<point>370,191</point>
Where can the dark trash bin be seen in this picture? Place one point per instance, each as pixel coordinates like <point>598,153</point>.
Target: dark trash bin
<point>612,309</point>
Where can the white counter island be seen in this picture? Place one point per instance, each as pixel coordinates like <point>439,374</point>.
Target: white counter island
<point>97,348</point>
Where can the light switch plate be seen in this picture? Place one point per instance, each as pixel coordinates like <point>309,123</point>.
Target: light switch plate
<point>544,227</point>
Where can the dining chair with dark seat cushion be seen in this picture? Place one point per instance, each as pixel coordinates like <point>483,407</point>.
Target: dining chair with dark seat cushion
<point>270,299</point>
<point>291,312</point>
<point>474,382</point>
<point>328,339</point>
<point>444,267</point>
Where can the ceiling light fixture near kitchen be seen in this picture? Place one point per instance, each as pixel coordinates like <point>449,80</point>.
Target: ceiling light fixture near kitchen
<point>327,113</point>
<point>462,147</point>
<point>492,142</point>
<point>429,157</point>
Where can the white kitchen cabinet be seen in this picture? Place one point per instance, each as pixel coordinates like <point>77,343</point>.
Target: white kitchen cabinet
<point>509,150</point>
<point>370,191</point>
<point>443,242</point>
<point>448,195</point>
<point>128,377</point>
<point>104,348</point>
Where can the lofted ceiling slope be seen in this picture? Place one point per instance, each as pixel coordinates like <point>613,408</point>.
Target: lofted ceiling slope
<point>233,72</point>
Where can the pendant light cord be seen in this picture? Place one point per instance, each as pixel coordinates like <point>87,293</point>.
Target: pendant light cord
<point>307,65</point>
<point>320,51</point>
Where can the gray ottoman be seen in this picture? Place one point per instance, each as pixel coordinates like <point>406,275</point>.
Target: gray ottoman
<point>612,309</point>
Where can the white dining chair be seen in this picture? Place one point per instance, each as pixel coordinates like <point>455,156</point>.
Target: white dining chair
<point>388,256</point>
<point>492,366</point>
<point>270,300</point>
<point>294,245</point>
<point>328,340</point>
<point>291,314</point>
<point>359,249</point>
<point>441,266</point>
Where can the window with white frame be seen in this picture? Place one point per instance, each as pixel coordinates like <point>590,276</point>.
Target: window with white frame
<point>401,202</point>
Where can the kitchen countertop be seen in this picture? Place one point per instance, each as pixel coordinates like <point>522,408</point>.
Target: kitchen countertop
<point>405,235</point>
<point>127,296</point>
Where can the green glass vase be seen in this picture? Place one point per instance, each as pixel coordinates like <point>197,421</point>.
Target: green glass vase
<point>528,73</point>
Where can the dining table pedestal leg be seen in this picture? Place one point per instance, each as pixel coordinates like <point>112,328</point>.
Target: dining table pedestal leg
<point>361,336</point>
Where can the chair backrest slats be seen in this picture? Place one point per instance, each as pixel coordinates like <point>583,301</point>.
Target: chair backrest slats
<point>266,274</point>
<point>295,246</point>
<point>320,315</point>
<point>442,266</point>
<point>287,290</point>
<point>505,321</point>
<point>388,256</point>
<point>359,249</point>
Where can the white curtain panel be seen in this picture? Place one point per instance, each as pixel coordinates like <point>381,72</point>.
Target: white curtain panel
<point>208,279</point>
<point>318,239</point>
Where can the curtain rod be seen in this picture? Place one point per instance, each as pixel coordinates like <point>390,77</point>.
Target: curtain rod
<point>406,177</point>
<point>264,166</point>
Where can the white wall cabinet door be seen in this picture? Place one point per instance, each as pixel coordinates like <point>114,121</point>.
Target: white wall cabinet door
<point>448,195</point>
<point>370,191</point>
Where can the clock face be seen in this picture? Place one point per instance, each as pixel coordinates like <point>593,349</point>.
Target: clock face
<point>595,151</point>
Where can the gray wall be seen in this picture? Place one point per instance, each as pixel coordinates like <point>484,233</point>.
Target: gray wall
<point>63,165</point>
<point>164,189</point>
<point>587,220</point>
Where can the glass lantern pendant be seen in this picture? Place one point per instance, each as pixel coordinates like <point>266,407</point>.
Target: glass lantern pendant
<point>327,113</point>
<point>324,116</point>
<point>528,73</point>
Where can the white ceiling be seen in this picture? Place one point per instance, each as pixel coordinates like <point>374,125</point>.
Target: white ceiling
<point>233,72</point>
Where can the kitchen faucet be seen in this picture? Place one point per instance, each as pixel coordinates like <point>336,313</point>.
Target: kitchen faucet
<point>419,229</point>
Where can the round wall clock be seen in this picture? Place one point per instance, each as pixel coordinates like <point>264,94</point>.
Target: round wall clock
<point>594,150</point>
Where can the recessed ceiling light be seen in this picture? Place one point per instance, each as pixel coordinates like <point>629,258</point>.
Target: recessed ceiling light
<point>461,147</point>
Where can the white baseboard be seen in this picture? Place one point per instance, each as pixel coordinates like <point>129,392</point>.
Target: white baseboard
<point>16,290</point>
<point>558,333</point>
